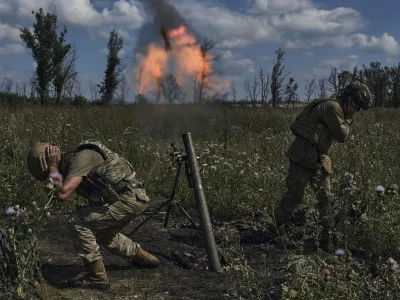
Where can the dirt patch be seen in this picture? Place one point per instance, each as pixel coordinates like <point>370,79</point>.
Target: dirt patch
<point>183,272</point>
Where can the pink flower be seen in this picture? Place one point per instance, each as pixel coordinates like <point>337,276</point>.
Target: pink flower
<point>10,211</point>
<point>56,176</point>
<point>391,261</point>
<point>339,252</point>
<point>395,186</point>
<point>326,272</point>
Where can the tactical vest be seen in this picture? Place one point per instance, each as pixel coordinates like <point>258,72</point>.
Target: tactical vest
<point>105,181</point>
<point>315,132</point>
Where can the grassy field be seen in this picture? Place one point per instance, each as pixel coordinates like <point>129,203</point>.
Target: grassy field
<point>243,172</point>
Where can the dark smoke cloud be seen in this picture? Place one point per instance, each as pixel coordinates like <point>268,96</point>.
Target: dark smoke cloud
<point>160,13</point>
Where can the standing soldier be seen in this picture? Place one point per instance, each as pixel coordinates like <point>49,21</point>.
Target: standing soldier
<point>322,122</point>
<point>115,197</point>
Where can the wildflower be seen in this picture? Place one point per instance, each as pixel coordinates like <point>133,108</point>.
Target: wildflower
<point>10,211</point>
<point>327,274</point>
<point>393,266</point>
<point>339,252</point>
<point>391,261</point>
<point>380,190</point>
<point>56,176</point>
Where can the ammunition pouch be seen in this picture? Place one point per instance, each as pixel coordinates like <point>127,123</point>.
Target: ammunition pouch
<point>103,192</point>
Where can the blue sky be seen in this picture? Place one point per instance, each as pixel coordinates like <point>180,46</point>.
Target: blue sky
<point>316,35</point>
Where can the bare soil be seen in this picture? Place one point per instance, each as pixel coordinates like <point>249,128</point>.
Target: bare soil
<point>183,272</point>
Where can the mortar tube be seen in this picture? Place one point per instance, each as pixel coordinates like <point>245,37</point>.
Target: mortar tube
<point>205,222</point>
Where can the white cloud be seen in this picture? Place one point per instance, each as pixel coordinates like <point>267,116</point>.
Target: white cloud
<point>9,33</point>
<point>123,14</point>
<point>298,23</point>
<point>230,29</point>
<point>228,55</point>
<point>314,22</point>
<point>277,6</point>
<point>383,44</point>
<point>239,66</point>
<point>344,63</point>
<point>77,12</point>
<point>12,49</point>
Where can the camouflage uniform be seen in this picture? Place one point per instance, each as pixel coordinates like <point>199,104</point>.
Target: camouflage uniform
<point>102,223</point>
<point>115,197</point>
<point>309,162</point>
<point>321,123</point>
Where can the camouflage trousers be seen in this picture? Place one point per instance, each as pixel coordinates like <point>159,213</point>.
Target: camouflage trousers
<point>94,225</point>
<point>296,182</point>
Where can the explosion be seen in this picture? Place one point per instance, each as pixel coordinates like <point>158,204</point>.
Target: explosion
<point>180,45</point>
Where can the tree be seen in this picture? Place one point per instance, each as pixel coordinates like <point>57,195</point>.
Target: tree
<point>205,73</point>
<point>377,78</point>
<point>233,90</point>
<point>395,85</point>
<point>123,90</point>
<point>251,89</point>
<point>6,85</point>
<point>291,92</point>
<point>322,87</point>
<point>277,79</point>
<point>171,89</point>
<point>48,51</point>
<point>333,81</point>
<point>64,68</point>
<point>72,88</point>
<point>344,78</point>
<point>111,79</point>
<point>264,85</point>
<point>94,92</point>
<point>310,88</point>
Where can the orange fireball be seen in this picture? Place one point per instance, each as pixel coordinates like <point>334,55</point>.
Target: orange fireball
<point>191,61</point>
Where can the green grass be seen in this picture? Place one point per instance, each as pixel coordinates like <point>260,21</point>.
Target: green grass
<point>243,169</point>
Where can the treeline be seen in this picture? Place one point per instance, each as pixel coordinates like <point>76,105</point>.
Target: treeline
<point>278,88</point>
<point>56,79</point>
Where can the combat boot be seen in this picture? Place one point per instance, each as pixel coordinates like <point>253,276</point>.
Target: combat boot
<point>144,259</point>
<point>95,278</point>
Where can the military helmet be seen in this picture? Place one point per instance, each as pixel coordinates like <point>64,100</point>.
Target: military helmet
<point>361,94</point>
<point>36,161</point>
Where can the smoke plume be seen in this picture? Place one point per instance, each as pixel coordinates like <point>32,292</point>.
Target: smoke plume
<point>161,14</point>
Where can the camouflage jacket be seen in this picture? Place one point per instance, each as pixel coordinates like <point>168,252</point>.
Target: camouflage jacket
<point>321,123</point>
<point>108,179</point>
